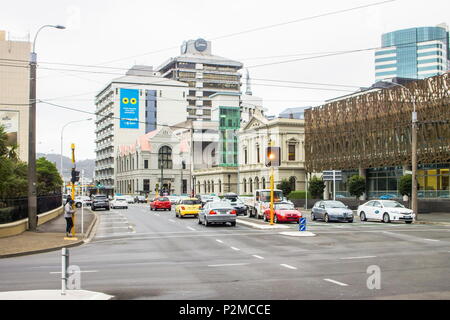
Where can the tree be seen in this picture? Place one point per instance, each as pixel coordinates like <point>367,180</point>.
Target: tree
<point>356,186</point>
<point>285,186</point>
<point>316,187</point>
<point>49,180</point>
<point>405,185</point>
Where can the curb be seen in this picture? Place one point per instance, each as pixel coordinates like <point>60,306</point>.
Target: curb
<point>433,223</point>
<point>92,230</point>
<point>260,226</point>
<point>91,234</point>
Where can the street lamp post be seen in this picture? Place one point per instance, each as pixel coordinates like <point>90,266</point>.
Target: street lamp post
<point>414,200</point>
<point>32,177</point>
<point>61,154</point>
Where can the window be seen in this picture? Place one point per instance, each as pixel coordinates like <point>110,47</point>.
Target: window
<point>145,164</point>
<point>258,154</point>
<point>165,158</point>
<point>146,185</point>
<point>292,183</point>
<point>244,182</point>
<point>245,156</point>
<point>291,152</point>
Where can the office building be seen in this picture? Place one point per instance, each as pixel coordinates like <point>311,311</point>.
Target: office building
<point>205,73</point>
<point>415,53</point>
<point>129,107</point>
<point>14,92</point>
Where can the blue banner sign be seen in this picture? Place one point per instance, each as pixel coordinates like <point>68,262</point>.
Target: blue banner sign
<point>129,108</point>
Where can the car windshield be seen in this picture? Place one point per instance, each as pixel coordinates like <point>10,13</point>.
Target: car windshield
<point>163,199</point>
<point>100,197</point>
<point>235,201</point>
<point>190,202</point>
<point>220,205</point>
<point>284,206</point>
<point>334,204</point>
<point>120,199</point>
<point>392,204</point>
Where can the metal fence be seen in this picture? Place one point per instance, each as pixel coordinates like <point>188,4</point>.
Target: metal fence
<point>17,209</point>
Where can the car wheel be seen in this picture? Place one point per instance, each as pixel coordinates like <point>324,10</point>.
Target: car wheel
<point>275,218</point>
<point>350,221</point>
<point>362,216</point>
<point>78,205</point>
<point>408,222</point>
<point>313,217</point>
<point>326,218</point>
<point>265,218</point>
<point>206,223</point>
<point>233,224</point>
<point>199,221</point>
<point>386,218</point>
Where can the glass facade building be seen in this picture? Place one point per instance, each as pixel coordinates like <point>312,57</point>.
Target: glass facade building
<point>229,123</point>
<point>415,53</point>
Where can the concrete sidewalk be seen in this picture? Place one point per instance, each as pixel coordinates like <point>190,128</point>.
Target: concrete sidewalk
<point>54,295</point>
<point>49,236</point>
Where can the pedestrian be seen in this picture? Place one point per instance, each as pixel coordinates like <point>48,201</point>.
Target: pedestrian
<point>68,215</point>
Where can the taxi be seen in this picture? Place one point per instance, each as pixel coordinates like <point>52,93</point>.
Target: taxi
<point>188,207</point>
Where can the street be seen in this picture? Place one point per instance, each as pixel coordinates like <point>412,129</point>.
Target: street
<point>143,254</point>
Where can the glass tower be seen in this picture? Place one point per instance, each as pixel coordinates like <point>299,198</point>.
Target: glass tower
<point>229,123</point>
<point>415,53</point>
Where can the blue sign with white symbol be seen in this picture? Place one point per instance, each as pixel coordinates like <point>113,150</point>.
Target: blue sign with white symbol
<point>129,109</point>
<point>302,227</point>
<point>302,220</point>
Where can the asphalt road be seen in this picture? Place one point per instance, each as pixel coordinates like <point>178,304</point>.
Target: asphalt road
<point>142,254</point>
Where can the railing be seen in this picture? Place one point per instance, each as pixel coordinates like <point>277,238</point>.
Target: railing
<point>17,209</point>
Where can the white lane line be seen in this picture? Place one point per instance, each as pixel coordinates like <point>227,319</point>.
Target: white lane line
<point>363,257</point>
<point>171,220</point>
<point>190,228</point>
<point>228,265</point>
<point>258,257</point>
<point>108,228</point>
<point>434,240</point>
<point>336,282</point>
<point>81,271</point>
<point>288,266</point>
<point>219,241</point>
<point>235,249</point>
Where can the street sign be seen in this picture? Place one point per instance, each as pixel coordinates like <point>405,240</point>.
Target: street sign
<point>302,224</point>
<point>407,172</point>
<point>329,176</point>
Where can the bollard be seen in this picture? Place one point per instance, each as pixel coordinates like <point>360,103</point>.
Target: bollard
<point>64,264</point>
<point>302,224</point>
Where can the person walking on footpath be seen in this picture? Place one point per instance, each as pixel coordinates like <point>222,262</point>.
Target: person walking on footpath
<point>68,215</point>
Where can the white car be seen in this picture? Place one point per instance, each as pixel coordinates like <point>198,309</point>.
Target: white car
<point>386,211</point>
<point>128,198</point>
<point>119,202</point>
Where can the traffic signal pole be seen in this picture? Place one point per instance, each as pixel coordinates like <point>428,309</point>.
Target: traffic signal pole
<point>271,194</point>
<point>73,189</point>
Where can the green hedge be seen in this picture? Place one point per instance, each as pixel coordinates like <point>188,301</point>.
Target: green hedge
<point>298,195</point>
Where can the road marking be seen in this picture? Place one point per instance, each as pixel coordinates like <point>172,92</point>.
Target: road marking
<point>108,228</point>
<point>435,240</point>
<point>258,257</point>
<point>235,249</point>
<point>228,265</point>
<point>219,241</point>
<point>364,257</point>
<point>336,282</point>
<point>171,220</point>
<point>288,266</point>
<point>190,228</point>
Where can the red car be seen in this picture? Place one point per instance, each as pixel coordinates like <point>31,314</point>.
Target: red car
<point>161,203</point>
<point>283,212</point>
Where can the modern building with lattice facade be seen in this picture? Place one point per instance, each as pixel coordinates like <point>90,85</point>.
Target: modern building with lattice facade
<point>370,135</point>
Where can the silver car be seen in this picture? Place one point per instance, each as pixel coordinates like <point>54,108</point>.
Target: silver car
<point>329,210</point>
<point>217,212</point>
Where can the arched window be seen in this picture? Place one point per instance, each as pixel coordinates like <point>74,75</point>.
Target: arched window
<point>250,183</point>
<point>165,157</point>
<point>263,183</point>
<point>204,186</point>
<point>220,186</point>
<point>212,186</point>
<point>244,183</point>
<point>292,181</point>
<point>256,183</point>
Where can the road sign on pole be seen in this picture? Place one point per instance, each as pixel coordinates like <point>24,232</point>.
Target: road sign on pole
<point>302,224</point>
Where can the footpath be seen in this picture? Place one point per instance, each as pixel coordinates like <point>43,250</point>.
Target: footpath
<point>49,236</point>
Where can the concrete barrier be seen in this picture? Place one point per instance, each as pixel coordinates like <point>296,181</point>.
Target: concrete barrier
<point>18,227</point>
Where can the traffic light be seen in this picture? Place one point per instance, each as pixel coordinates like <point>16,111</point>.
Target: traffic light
<point>75,176</point>
<point>273,156</point>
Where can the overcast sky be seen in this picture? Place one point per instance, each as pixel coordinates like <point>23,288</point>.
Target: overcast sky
<point>124,33</point>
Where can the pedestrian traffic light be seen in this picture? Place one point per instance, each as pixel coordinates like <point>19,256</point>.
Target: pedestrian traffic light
<point>75,176</point>
<point>273,156</point>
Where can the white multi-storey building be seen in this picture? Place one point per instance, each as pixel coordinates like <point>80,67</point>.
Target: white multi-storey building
<point>129,107</point>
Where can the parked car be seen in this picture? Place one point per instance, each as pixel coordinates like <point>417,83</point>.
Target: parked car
<point>130,199</point>
<point>329,210</point>
<point>238,205</point>
<point>260,201</point>
<point>100,201</point>
<point>204,198</point>
<point>386,211</point>
<point>160,203</point>
<point>188,207</point>
<point>140,199</point>
<point>283,212</point>
<point>119,202</point>
<point>82,200</point>
<point>217,212</point>
<point>230,196</point>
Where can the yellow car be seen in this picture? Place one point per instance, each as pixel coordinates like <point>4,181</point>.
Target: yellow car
<point>188,207</point>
